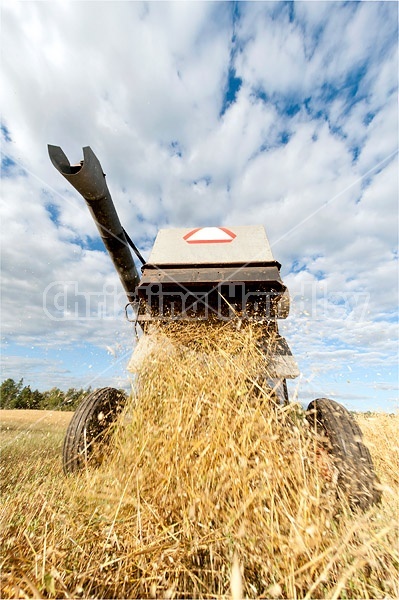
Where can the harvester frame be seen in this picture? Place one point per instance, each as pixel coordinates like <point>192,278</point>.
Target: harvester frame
<point>204,274</point>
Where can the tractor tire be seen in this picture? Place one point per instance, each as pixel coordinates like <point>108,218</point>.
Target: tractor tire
<point>342,438</point>
<point>90,427</point>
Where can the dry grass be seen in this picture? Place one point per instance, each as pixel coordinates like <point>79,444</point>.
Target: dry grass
<point>210,491</point>
<point>34,420</point>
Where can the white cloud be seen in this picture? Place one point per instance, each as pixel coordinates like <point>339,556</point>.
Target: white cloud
<point>144,84</point>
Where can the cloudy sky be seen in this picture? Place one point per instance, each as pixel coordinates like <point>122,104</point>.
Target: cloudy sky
<point>201,113</point>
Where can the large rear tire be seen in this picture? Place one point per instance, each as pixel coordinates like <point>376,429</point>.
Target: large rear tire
<point>89,428</point>
<point>342,438</point>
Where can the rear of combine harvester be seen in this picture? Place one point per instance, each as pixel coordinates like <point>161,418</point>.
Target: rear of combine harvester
<point>211,274</point>
<point>208,273</point>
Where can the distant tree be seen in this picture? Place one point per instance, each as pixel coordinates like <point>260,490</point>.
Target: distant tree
<point>52,399</point>
<point>36,399</point>
<point>73,398</point>
<point>16,395</point>
<point>28,398</point>
<point>56,399</point>
<point>9,392</point>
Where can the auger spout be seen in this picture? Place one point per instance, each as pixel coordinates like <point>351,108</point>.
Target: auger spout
<point>88,179</point>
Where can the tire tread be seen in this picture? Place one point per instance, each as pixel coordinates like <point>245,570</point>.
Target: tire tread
<point>109,399</point>
<point>352,458</point>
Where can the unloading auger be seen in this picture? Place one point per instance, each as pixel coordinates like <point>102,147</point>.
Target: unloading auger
<point>211,274</point>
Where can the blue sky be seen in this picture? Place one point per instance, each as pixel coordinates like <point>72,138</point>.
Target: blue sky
<point>201,113</point>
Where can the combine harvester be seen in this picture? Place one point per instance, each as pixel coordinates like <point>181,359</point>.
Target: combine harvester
<point>213,274</point>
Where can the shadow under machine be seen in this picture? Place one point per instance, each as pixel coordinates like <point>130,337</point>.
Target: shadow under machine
<point>212,274</point>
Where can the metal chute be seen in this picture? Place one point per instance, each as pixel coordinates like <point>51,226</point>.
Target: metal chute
<point>88,179</point>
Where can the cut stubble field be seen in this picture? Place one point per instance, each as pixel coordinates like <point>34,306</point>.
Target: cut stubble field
<point>203,494</point>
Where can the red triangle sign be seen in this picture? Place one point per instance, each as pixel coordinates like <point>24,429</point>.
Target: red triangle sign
<point>209,235</point>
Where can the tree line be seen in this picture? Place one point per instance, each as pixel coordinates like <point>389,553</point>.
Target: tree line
<point>14,394</point>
